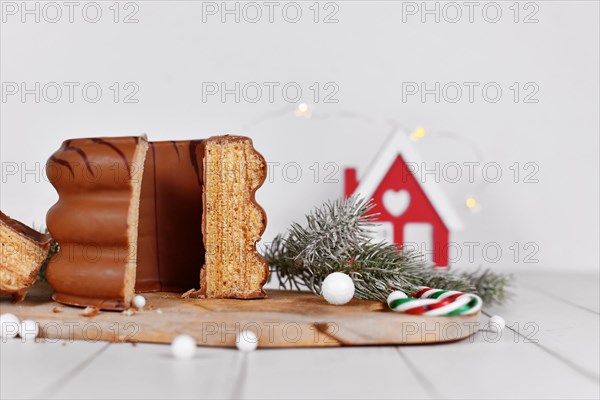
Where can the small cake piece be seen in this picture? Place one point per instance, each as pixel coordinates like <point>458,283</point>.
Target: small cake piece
<point>23,253</point>
<point>232,222</point>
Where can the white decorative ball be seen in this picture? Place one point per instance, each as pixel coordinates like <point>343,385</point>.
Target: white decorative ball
<point>29,330</point>
<point>139,301</point>
<point>338,288</point>
<point>395,295</point>
<point>246,341</point>
<point>497,323</point>
<point>183,347</point>
<point>9,326</point>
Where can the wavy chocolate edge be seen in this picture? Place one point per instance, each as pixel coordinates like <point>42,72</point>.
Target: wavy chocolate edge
<point>99,282</point>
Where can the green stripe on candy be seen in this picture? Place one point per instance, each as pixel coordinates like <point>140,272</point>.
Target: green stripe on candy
<point>395,303</point>
<point>437,294</point>
<point>464,308</point>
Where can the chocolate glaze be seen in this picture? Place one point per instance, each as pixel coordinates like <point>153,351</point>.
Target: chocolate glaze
<point>170,249</point>
<point>89,221</point>
<point>69,147</point>
<point>42,239</point>
<point>124,158</point>
<point>194,146</point>
<point>64,164</point>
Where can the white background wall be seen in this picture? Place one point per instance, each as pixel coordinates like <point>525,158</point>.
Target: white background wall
<point>371,53</point>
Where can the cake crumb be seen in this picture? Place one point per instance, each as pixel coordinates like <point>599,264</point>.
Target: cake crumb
<point>128,313</point>
<point>90,312</point>
<point>57,310</point>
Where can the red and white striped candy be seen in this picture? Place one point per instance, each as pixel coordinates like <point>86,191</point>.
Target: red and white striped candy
<point>435,302</point>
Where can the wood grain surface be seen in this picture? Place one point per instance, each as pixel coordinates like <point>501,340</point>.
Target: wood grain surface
<point>284,319</point>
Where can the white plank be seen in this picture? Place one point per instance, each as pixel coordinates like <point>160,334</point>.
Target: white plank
<point>564,330</point>
<point>563,364</point>
<point>502,369</point>
<point>581,290</point>
<point>336,373</point>
<point>149,371</point>
<point>29,370</point>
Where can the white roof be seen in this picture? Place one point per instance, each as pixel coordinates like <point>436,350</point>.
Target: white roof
<point>398,143</point>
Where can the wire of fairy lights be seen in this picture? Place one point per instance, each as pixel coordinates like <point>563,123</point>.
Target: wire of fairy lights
<point>418,134</point>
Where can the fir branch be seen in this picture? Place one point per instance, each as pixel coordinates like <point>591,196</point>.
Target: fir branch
<point>41,276</point>
<point>336,239</point>
<point>490,286</point>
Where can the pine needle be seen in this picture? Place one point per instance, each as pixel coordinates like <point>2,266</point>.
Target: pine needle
<point>336,238</point>
<point>41,276</point>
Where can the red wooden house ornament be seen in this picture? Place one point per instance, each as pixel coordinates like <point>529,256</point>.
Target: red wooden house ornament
<point>412,210</point>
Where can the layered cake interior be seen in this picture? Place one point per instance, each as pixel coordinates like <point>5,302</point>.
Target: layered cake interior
<point>22,254</point>
<point>232,221</point>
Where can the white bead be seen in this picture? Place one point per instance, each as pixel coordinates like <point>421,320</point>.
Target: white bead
<point>497,323</point>
<point>29,330</point>
<point>183,347</point>
<point>395,295</point>
<point>338,288</point>
<point>139,301</point>
<point>9,326</point>
<point>246,341</point>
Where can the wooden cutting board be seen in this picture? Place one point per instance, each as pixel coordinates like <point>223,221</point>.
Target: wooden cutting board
<point>284,319</point>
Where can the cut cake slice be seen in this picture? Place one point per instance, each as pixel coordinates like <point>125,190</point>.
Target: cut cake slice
<point>23,252</point>
<point>232,222</point>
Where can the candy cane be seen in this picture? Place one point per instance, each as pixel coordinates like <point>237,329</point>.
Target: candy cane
<point>435,302</point>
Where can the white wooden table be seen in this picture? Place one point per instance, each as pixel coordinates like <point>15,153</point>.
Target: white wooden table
<point>563,361</point>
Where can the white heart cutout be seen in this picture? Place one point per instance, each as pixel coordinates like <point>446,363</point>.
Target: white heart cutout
<point>396,203</point>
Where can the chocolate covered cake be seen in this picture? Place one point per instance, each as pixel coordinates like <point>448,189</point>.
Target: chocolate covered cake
<point>147,216</point>
<point>23,251</point>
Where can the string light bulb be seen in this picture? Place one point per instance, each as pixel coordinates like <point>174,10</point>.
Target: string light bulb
<point>418,134</point>
<point>471,203</point>
<point>302,110</point>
